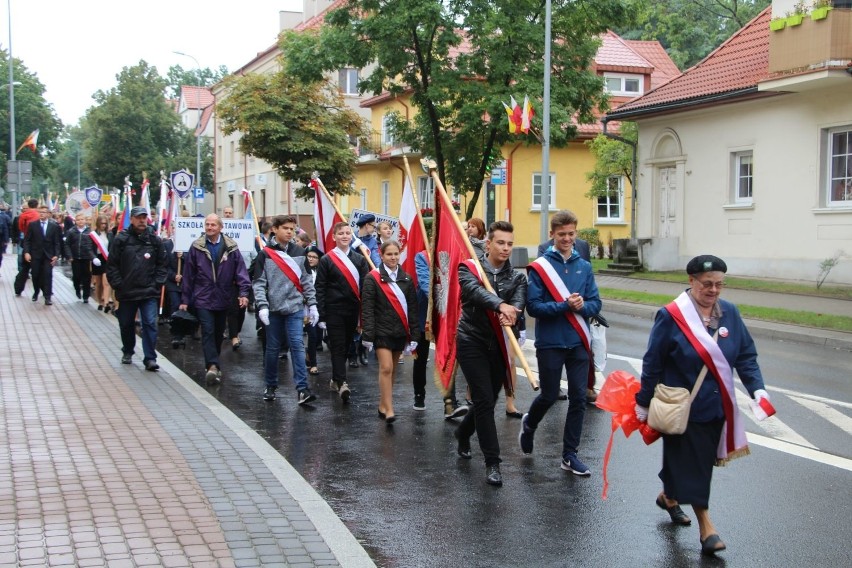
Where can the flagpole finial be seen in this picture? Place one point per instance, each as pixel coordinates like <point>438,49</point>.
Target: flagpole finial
<point>428,164</point>
<point>314,174</point>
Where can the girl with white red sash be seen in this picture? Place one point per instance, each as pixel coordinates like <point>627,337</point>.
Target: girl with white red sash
<point>389,320</point>
<point>680,345</point>
<point>338,288</point>
<point>102,238</point>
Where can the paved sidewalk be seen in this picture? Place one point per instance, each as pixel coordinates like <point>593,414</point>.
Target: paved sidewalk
<point>103,464</point>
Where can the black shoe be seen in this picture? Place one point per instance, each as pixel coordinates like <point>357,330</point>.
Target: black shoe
<point>85,300</point>
<point>35,297</point>
<point>269,393</point>
<point>344,392</point>
<point>100,308</point>
<point>452,409</point>
<point>526,437</point>
<point>48,302</point>
<point>493,475</point>
<point>306,396</point>
<point>151,365</point>
<point>126,359</point>
<point>562,395</point>
<point>283,356</point>
<point>363,358</point>
<point>463,449</point>
<point>353,362</point>
<point>79,294</point>
<point>419,402</point>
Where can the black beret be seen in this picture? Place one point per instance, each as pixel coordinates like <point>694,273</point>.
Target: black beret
<point>369,218</point>
<point>706,263</point>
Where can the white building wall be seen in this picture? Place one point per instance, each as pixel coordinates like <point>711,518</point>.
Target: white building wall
<point>787,231</point>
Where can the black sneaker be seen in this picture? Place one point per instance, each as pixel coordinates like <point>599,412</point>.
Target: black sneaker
<point>269,393</point>
<point>306,396</point>
<point>420,402</point>
<point>493,475</point>
<point>353,362</point>
<point>344,392</point>
<point>463,448</point>
<point>452,409</point>
<point>151,365</point>
<point>126,359</point>
<point>526,436</point>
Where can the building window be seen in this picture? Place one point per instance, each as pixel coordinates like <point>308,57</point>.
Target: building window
<point>364,198</point>
<point>623,85</point>
<point>742,177</point>
<point>387,136</point>
<point>536,191</point>
<point>385,197</point>
<point>232,153</point>
<point>348,81</point>
<point>839,168</point>
<point>611,205</point>
<point>426,192</point>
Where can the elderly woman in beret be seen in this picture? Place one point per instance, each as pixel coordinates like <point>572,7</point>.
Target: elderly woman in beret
<point>700,329</point>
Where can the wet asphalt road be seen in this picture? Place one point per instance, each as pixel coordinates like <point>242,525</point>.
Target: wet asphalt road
<point>411,501</point>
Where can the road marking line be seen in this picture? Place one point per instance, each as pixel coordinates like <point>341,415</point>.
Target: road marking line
<point>772,426</point>
<point>807,453</point>
<point>829,401</point>
<point>825,411</point>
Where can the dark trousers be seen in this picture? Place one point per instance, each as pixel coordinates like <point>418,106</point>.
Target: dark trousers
<point>127,325</point>
<point>173,301</point>
<point>23,274</point>
<point>484,369</point>
<point>314,336</point>
<point>212,329</point>
<point>341,329</point>
<point>236,318</point>
<point>42,276</point>
<point>550,364</point>
<point>419,375</point>
<point>81,277</point>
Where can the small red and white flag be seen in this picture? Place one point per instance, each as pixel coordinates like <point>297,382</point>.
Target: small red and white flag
<point>30,141</point>
<point>325,217</point>
<point>412,236</point>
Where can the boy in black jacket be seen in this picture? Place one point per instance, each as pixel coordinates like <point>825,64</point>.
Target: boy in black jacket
<point>80,248</point>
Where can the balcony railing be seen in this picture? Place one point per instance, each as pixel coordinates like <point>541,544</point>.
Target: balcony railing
<point>813,43</point>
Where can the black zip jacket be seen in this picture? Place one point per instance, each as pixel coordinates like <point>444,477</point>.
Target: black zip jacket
<point>137,265</point>
<point>510,287</point>
<point>79,246</point>
<point>378,316</point>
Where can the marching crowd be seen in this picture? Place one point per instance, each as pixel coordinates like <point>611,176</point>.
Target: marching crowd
<point>357,299</point>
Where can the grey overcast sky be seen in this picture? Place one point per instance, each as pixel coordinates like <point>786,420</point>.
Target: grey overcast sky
<point>78,47</point>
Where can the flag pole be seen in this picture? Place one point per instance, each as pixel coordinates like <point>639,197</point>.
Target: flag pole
<point>417,207</point>
<point>364,250</point>
<point>441,192</point>
<point>254,218</point>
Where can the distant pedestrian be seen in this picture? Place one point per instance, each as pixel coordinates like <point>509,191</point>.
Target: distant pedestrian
<point>314,333</point>
<point>29,213</point>
<point>102,239</point>
<point>136,270</point>
<point>214,273</point>
<point>42,249</point>
<point>80,248</point>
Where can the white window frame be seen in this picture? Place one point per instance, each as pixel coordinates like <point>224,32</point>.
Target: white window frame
<point>623,79</point>
<point>740,195</point>
<point>838,169</point>
<point>347,80</point>
<point>387,137</point>
<point>536,191</point>
<point>614,198</point>
<point>426,192</point>
<point>385,197</point>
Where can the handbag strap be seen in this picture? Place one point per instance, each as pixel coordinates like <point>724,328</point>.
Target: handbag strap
<point>701,375</point>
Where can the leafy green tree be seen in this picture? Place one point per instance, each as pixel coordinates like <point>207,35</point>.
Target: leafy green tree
<point>178,77</point>
<point>690,29</point>
<point>297,127</point>
<point>132,129</point>
<point>613,158</point>
<point>459,60</point>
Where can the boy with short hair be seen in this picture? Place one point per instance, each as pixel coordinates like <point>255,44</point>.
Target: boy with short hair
<point>282,288</point>
<point>80,248</point>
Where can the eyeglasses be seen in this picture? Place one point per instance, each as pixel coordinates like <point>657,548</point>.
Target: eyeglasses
<point>707,285</point>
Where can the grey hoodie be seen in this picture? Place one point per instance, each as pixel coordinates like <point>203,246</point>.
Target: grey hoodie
<point>274,291</point>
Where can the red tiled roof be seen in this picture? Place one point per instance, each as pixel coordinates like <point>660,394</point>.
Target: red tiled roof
<point>664,68</point>
<point>740,63</point>
<point>194,96</point>
<point>615,55</point>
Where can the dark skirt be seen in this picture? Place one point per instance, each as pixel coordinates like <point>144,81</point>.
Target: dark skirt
<point>98,270</point>
<point>392,343</point>
<point>688,461</point>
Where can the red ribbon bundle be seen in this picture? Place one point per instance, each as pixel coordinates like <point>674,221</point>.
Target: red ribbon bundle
<point>618,396</point>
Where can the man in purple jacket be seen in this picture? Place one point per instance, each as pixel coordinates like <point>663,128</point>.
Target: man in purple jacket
<point>214,273</point>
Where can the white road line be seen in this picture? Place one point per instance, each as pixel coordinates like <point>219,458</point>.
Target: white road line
<point>772,426</point>
<point>829,401</point>
<point>825,411</point>
<point>807,453</point>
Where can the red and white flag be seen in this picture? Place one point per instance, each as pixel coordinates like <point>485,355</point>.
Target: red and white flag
<point>448,251</point>
<point>30,141</point>
<point>412,236</point>
<point>325,217</point>
<point>145,198</point>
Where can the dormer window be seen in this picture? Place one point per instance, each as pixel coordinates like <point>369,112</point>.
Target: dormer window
<point>622,84</point>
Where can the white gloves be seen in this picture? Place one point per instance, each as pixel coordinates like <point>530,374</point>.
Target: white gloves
<point>313,315</point>
<point>263,316</point>
<point>522,338</point>
<point>321,325</point>
<point>96,261</point>
<point>759,394</point>
<point>410,348</point>
<point>761,406</point>
<point>641,413</point>
<point>368,345</point>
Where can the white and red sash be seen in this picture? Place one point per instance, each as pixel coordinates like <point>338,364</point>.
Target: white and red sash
<point>733,442</point>
<point>99,244</point>
<point>499,330</point>
<point>396,298</point>
<point>287,265</point>
<point>347,268</point>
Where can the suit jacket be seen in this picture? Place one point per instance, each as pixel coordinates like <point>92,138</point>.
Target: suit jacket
<point>39,244</point>
<point>579,244</point>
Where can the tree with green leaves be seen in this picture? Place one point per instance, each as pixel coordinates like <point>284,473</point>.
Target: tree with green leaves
<point>612,158</point>
<point>459,61</point>
<point>132,129</point>
<point>177,77</point>
<point>297,127</point>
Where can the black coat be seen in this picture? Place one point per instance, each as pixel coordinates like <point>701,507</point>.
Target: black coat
<point>510,287</point>
<point>137,265</point>
<point>378,316</point>
<point>333,290</point>
<point>41,245</point>
<point>79,246</point>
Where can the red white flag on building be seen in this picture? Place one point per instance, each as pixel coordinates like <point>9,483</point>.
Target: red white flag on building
<point>325,217</point>
<point>449,250</point>
<point>412,236</point>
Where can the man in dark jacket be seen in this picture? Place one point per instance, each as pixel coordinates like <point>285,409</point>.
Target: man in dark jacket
<point>214,272</point>
<point>479,350</point>
<point>21,223</point>
<point>42,249</point>
<point>136,270</point>
<point>80,248</point>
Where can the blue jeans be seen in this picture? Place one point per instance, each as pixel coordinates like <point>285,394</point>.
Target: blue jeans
<point>550,364</point>
<point>127,324</point>
<point>285,328</point>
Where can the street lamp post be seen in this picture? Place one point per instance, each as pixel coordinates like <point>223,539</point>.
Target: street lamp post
<point>12,152</point>
<point>198,125</point>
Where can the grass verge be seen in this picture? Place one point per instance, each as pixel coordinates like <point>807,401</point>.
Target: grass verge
<point>808,319</point>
